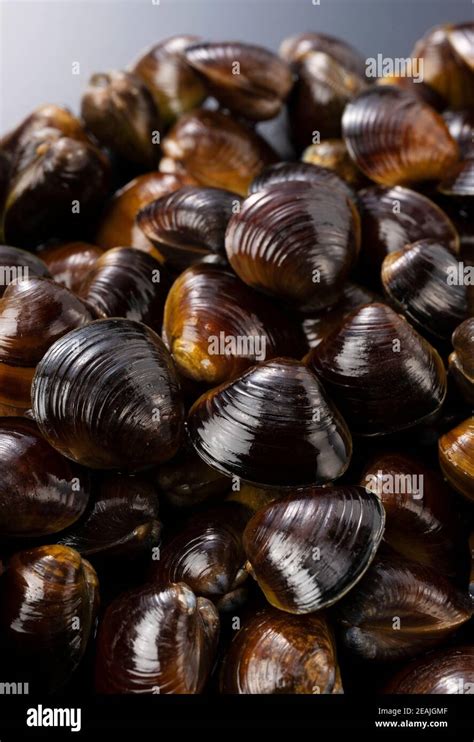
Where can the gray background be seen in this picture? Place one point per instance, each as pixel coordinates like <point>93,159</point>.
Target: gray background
<point>39,40</point>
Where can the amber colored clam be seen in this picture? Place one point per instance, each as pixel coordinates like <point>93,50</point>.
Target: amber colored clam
<point>399,609</point>
<point>442,672</point>
<point>382,375</point>
<point>189,223</point>
<point>206,553</point>
<point>217,151</point>
<point>119,110</point>
<point>297,241</point>
<point>107,396</point>
<point>332,154</point>
<point>117,225</point>
<point>456,457</point>
<point>421,282</point>
<point>278,653</point>
<point>322,324</point>
<point>130,283</point>
<point>319,97</point>
<point>173,83</point>
<point>70,262</point>
<point>294,48</point>
<point>272,426</point>
<point>207,310</point>
<point>48,608</point>
<point>123,519</point>
<point>396,139</point>
<point>309,548</point>
<point>34,313</point>
<point>394,217</point>
<point>461,361</point>
<point>16,264</point>
<point>447,53</point>
<point>247,79</point>
<point>284,172</point>
<point>156,641</point>
<point>187,480</point>
<point>421,515</point>
<point>40,491</point>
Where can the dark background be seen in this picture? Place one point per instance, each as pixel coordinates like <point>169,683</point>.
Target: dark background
<point>40,40</point>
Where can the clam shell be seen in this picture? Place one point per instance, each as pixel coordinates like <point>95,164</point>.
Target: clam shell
<point>187,480</point>
<point>308,549</point>
<point>297,241</point>
<point>442,672</point>
<point>396,139</point>
<point>247,79</point>
<point>16,264</point>
<point>294,49</point>
<point>70,262</point>
<point>456,457</point>
<point>275,652</point>
<point>283,172</point>
<point>272,426</point>
<point>460,182</point>
<point>107,396</point>
<point>461,362</point>
<point>382,375</point>
<point>332,154</point>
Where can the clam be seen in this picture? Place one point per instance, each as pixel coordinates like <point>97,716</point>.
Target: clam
<point>332,154</point>
<point>456,457</point>
<point>399,609</point>
<point>217,150</point>
<point>187,480</point>
<point>383,376</point>
<point>107,396</point>
<point>461,128</point>
<point>188,223</point>
<point>156,641</point>
<point>284,172</point>
<point>297,241</point>
<point>248,80</point>
<point>272,426</point>
<point>294,48</point>
<point>461,361</point>
<point>310,548</point>
<point>47,615</point>
<point>216,327</point>
<point>17,265</point>
<point>396,139</point>
<point>275,652</point>
<point>41,492</point>
<point>442,672</point>
<point>459,182</point>
<point>70,262</point>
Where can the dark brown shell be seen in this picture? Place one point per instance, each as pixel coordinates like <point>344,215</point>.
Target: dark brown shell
<point>49,600</point>
<point>40,491</point>
<point>119,110</point>
<point>217,151</point>
<point>460,180</point>
<point>284,172</point>
<point>70,262</point>
<point>321,325</point>
<point>247,79</point>
<point>16,264</point>
<point>107,396</point>
<point>396,139</point>
<point>175,86</point>
<point>126,282</point>
<point>442,672</point>
<point>278,653</point>
<point>421,282</point>
<point>393,217</point>
<point>189,223</point>
<point>308,549</point>
<point>272,426</point>
<point>153,641</point>
<point>34,313</point>
<point>123,519</point>
<point>461,128</point>
<point>294,48</point>
<point>421,515</point>
<point>206,553</point>
<point>209,307</point>
<point>399,609</point>
<point>187,480</point>
<point>382,375</point>
<point>297,241</point>
<point>448,63</point>
<point>456,457</point>
<point>332,154</point>
<point>323,88</point>
<point>117,225</point>
<point>461,361</point>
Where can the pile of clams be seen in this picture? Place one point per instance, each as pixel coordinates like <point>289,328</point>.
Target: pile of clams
<point>236,392</point>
